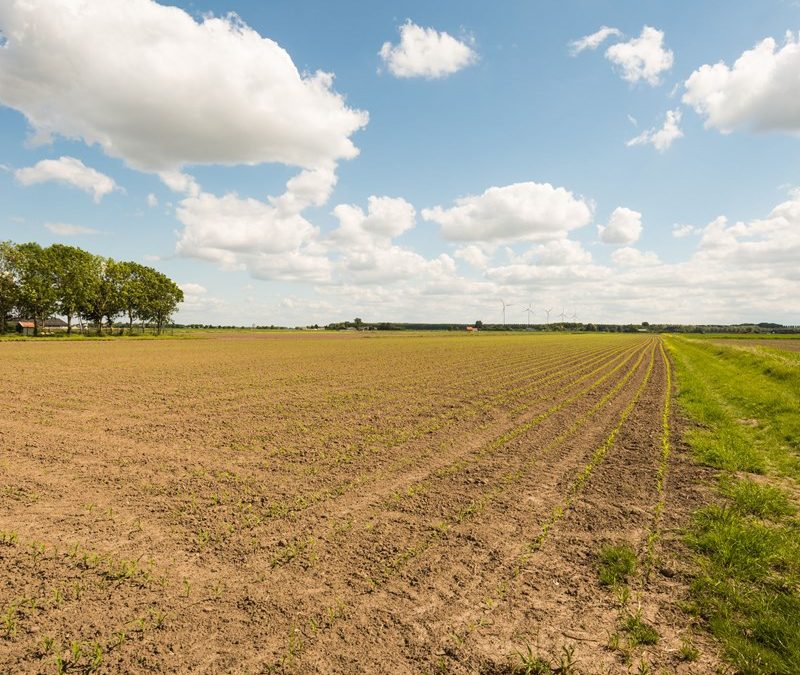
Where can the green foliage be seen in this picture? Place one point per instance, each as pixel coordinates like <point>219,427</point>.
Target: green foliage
<point>9,288</point>
<point>74,273</point>
<point>748,546</point>
<point>763,501</point>
<point>639,632</point>
<point>530,663</point>
<point>617,563</point>
<point>37,296</point>
<point>39,282</point>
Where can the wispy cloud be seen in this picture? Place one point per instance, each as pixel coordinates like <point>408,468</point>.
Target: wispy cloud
<point>67,230</point>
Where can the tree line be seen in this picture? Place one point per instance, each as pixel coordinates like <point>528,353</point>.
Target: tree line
<point>38,282</point>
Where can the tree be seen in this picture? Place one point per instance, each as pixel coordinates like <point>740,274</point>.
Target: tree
<point>129,279</point>
<point>38,297</point>
<point>160,297</point>
<point>103,299</point>
<point>75,272</point>
<point>9,288</point>
<point>357,323</point>
<point>479,324</point>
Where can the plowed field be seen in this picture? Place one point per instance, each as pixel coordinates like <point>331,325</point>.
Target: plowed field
<point>337,503</point>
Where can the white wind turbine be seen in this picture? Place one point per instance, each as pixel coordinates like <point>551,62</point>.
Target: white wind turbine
<point>505,304</point>
<point>547,311</point>
<point>529,310</point>
<point>563,315</point>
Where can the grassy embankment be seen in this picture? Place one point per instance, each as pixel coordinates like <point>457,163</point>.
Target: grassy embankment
<point>746,408</point>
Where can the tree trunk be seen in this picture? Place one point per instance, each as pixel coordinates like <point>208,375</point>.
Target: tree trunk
<point>130,322</point>
<point>69,324</point>
<point>35,325</point>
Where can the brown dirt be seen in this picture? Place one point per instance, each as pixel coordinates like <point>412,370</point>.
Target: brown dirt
<point>265,503</point>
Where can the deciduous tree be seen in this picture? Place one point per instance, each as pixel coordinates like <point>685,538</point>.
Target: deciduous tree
<point>38,297</point>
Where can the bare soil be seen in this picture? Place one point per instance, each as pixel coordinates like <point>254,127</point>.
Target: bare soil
<point>282,503</point>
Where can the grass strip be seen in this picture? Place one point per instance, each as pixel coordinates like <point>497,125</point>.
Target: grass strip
<point>746,585</point>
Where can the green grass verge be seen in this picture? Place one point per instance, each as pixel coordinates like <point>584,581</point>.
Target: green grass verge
<point>747,585</point>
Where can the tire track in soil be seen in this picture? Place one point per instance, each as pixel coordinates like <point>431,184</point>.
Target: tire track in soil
<point>217,570</point>
<point>305,602</point>
<point>558,599</point>
<point>79,487</point>
<point>388,598</point>
<point>97,466</point>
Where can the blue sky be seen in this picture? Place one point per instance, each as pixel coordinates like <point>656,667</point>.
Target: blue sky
<point>199,117</point>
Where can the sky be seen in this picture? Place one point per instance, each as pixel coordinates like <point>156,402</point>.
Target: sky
<point>298,162</point>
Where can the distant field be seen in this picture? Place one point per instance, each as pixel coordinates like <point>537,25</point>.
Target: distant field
<point>790,345</point>
<point>342,502</point>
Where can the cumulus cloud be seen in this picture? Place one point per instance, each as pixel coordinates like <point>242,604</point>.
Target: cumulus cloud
<point>386,217</point>
<point>180,182</point>
<point>593,41</point>
<point>67,230</point>
<point>426,52</point>
<point>69,171</point>
<point>761,91</point>
<point>561,252</point>
<point>237,233</point>
<point>152,200</point>
<point>628,256</point>
<point>521,211</point>
<point>192,289</point>
<point>366,252</point>
<point>681,231</point>
<point>624,227</point>
<point>156,88</point>
<point>661,138</point>
<point>474,255</point>
<point>643,58</point>
<point>774,240</point>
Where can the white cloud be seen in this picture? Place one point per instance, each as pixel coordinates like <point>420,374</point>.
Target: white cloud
<point>772,241</point>
<point>521,211</point>
<point>642,58</point>
<point>192,289</point>
<point>152,200</point>
<point>681,231</point>
<point>426,52</point>
<point>270,239</point>
<point>235,224</point>
<point>69,230</point>
<point>386,217</point>
<point>69,171</point>
<point>628,256</point>
<point>474,255</point>
<point>760,92</point>
<point>366,252</point>
<point>180,182</point>
<point>154,87</point>
<point>561,252</point>
<point>593,41</point>
<point>661,138</point>
<point>624,227</point>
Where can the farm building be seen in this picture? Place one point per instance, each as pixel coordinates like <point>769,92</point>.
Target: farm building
<point>54,324</point>
<point>26,326</point>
